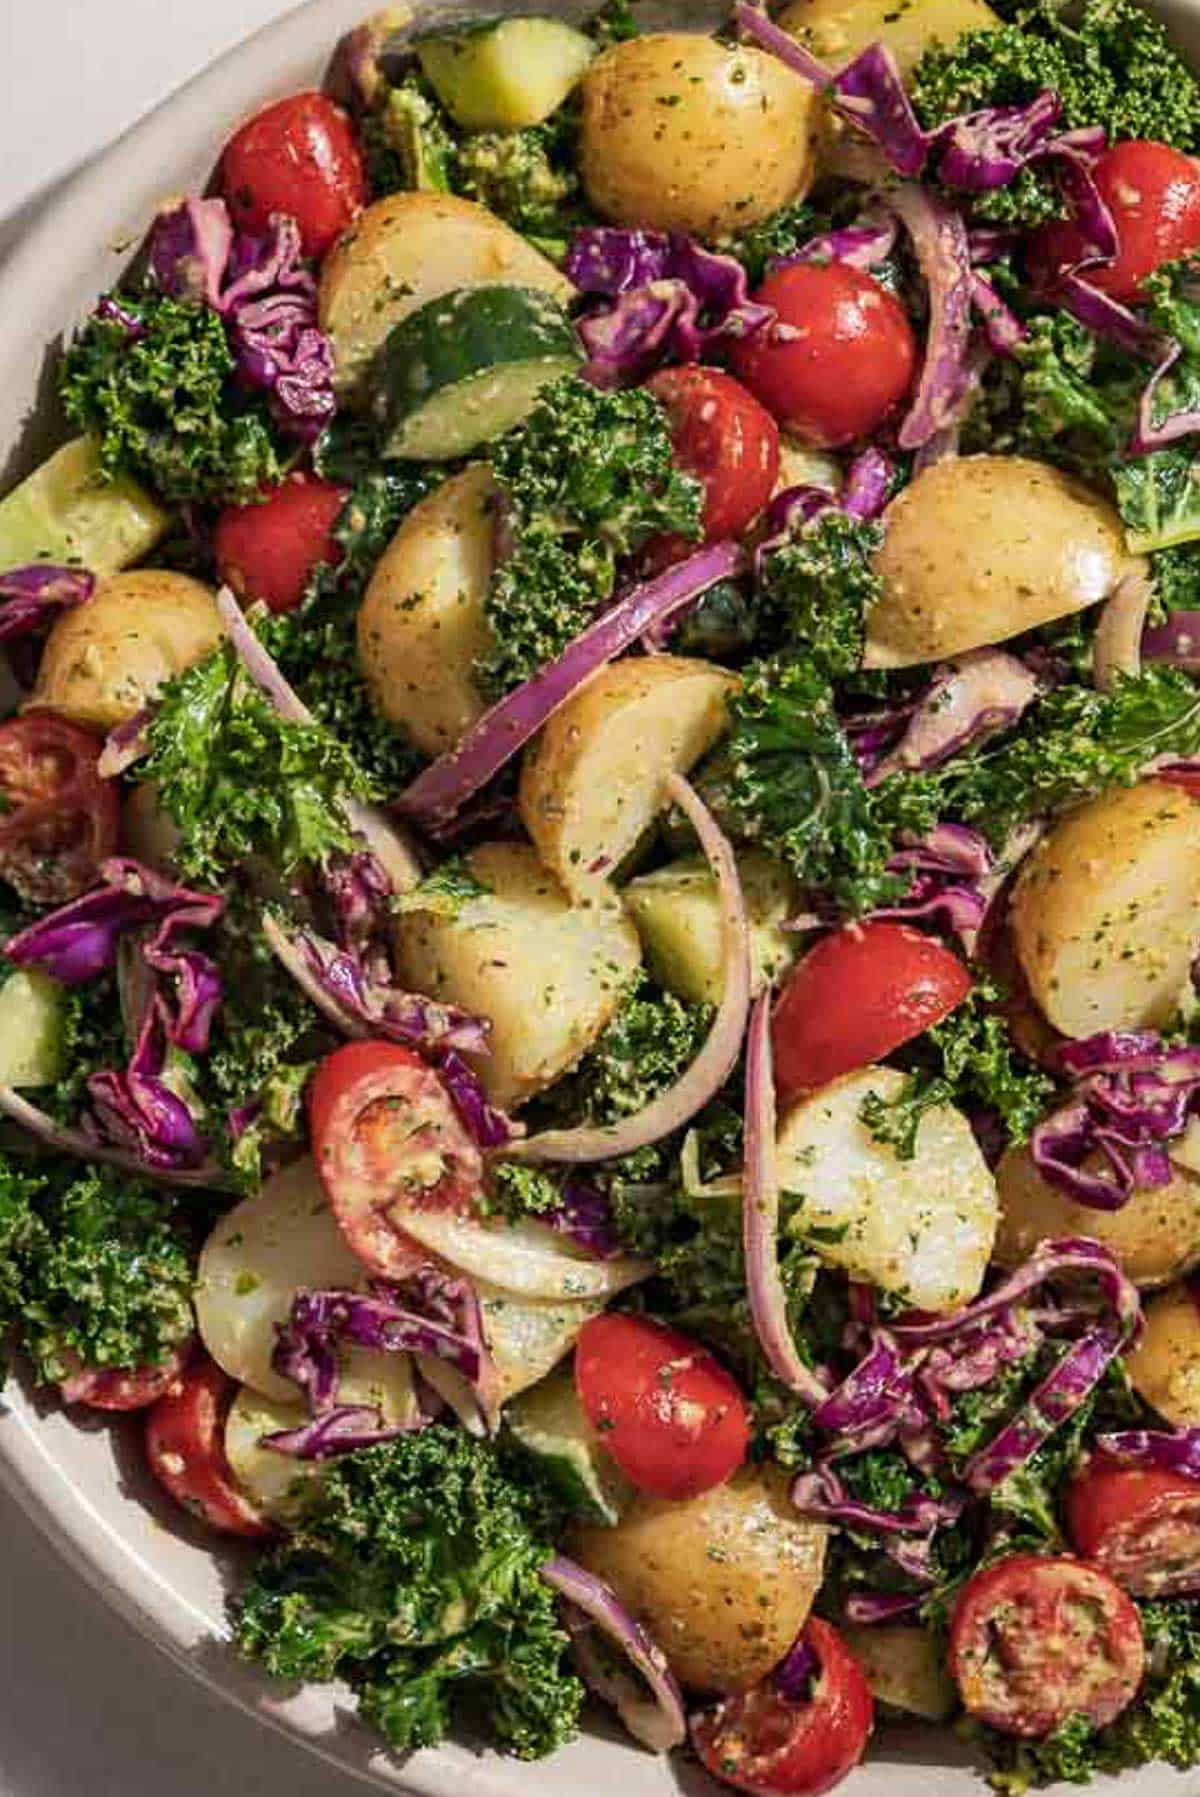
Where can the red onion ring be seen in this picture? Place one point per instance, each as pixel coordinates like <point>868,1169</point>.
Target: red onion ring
<point>1118,645</point>
<point>660,1723</point>
<point>81,1146</point>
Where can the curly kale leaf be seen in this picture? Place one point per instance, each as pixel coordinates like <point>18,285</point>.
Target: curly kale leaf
<point>163,406</point>
<point>587,479</point>
<point>773,239</point>
<point>95,1268</point>
<point>416,1576</point>
<point>242,783</point>
<point>1063,396</point>
<point>818,590</point>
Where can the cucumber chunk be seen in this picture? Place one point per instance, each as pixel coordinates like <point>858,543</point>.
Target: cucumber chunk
<point>677,913</point>
<point>549,1423</point>
<point>32,1017</point>
<point>466,367</point>
<point>505,76</point>
<point>65,512</point>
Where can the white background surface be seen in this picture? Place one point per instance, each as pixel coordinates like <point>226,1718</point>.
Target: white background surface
<point>86,1710</point>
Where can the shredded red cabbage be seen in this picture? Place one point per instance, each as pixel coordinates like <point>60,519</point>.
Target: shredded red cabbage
<point>967,701</point>
<point>797,1672</point>
<point>487,1126</point>
<point>939,239</point>
<point>1174,1451</point>
<point>32,598</point>
<point>864,244</point>
<point>138,1110</point>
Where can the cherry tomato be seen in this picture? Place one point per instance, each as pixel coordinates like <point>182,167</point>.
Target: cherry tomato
<point>386,1136</point>
<point>856,997</point>
<point>723,437</point>
<point>269,549</point>
<point>1035,1640</point>
<point>839,358</point>
<point>764,1742</point>
<point>108,1388</point>
<point>185,1446</point>
<point>299,156</point>
<point>1153,193</point>
<point>58,818</point>
<point>672,1418</point>
<point>1140,1524</point>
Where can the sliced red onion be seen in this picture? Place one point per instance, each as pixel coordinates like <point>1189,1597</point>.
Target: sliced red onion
<point>760,1216</point>
<point>1177,641</point>
<point>32,598</point>
<point>939,239</point>
<point>1002,327</point>
<point>1118,644</point>
<point>653,1715</point>
<point>968,700</point>
<point>1109,319</point>
<point>81,1146</point>
<point>868,479</point>
<point>438,793</point>
<point>718,1057</point>
<point>1053,1259</point>
<point>1177,1451</point>
<point>1184,422</point>
<point>126,745</point>
<point>871,1607</point>
<point>1056,1399</point>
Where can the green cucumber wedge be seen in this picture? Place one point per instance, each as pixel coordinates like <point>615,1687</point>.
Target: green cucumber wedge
<point>466,367</point>
<point>66,512</point>
<point>32,1029</point>
<point>507,75</point>
<point>549,1423</point>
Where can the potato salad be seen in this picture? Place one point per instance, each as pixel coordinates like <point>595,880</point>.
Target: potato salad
<point>600,877</point>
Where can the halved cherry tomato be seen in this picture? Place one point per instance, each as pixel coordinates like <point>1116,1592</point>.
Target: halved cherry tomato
<point>1153,193</point>
<point>856,997</point>
<point>107,1388</point>
<point>384,1134</point>
<point>1036,1640</point>
<point>763,1742</point>
<point>58,818</point>
<point>670,1415</point>
<point>839,358</point>
<point>723,437</point>
<point>299,156</point>
<point>185,1446</point>
<point>1140,1524</point>
<point>268,550</point>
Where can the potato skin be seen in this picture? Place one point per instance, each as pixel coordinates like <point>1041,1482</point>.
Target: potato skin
<point>409,249</point>
<point>106,659</point>
<point>724,1582</point>
<point>1165,1365</point>
<point>980,548</point>
<point>1105,910</point>
<point>682,134</point>
<point>593,779</point>
<point>1155,1236</point>
<point>548,973</point>
<point>836,30</point>
<point>422,624</point>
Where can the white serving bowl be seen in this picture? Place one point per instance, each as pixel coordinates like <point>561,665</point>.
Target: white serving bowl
<point>86,1487</point>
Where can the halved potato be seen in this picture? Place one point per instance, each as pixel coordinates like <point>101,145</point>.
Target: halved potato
<point>1165,1365</point>
<point>422,624</point>
<point>106,659</point>
<point>595,777</point>
<point>905,1667</point>
<point>681,133</point>
<point>836,30</point>
<point>1105,912</point>
<point>981,548</point>
<point>409,249</point>
<point>1155,1236</point>
<point>724,1582</point>
<point>922,1228</point>
<point>548,973</point>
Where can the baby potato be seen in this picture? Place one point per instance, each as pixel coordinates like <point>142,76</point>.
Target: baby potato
<point>922,1228</point>
<point>978,549</point>
<point>1155,1236</point>
<point>905,1667</point>
<point>1105,912</point>
<point>723,1582</point>
<point>1165,1365</point>
<point>836,30</point>
<point>681,133</point>
<point>594,778</point>
<point>548,973</point>
<point>409,249</point>
<point>106,659</point>
<point>422,625</point>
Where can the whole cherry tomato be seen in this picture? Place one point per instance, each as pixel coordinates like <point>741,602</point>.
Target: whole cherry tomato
<point>185,1447</point>
<point>839,358</point>
<point>269,549</point>
<point>58,818</point>
<point>1141,1525</point>
<point>771,1744</point>
<point>301,157</point>
<point>1035,1640</point>
<point>858,995</point>
<point>665,1408</point>
<point>385,1135</point>
<point>1153,193</point>
<point>723,437</point>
